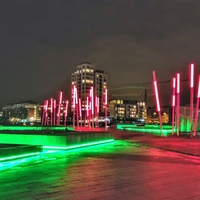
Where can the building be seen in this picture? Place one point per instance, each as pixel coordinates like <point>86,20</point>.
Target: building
<point>22,112</point>
<point>100,83</point>
<point>84,78</point>
<point>127,110</point>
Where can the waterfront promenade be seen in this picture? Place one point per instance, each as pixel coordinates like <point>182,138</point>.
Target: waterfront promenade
<point>135,166</point>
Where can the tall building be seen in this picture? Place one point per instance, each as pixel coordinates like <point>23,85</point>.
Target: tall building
<point>86,77</point>
<point>23,112</point>
<point>100,83</point>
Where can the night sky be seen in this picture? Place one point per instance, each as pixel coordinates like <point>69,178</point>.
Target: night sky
<point>42,42</point>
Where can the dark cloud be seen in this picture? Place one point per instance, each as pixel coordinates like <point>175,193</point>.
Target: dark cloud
<point>42,41</point>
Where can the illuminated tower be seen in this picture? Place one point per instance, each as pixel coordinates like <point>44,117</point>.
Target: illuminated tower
<point>100,83</point>
<point>83,78</point>
<point>86,77</point>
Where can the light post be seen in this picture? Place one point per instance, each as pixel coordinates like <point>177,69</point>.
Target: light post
<point>178,104</point>
<point>191,97</point>
<point>157,99</point>
<point>106,107</point>
<point>197,108</point>
<point>173,103</point>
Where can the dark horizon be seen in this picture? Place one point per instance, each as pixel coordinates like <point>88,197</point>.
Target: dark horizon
<point>42,42</point>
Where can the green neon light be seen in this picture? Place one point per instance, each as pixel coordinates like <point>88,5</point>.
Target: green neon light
<point>19,156</point>
<point>13,161</point>
<point>36,128</point>
<point>78,146</point>
<point>153,126</point>
<point>156,126</point>
<point>185,124</point>
<point>81,149</point>
<point>62,140</point>
<point>7,164</point>
<point>121,126</point>
<point>153,129</point>
<point>53,154</point>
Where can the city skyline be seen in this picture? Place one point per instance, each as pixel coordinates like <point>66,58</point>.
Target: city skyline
<point>42,42</point>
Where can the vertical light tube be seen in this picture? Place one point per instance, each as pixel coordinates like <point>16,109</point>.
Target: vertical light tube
<point>61,94</point>
<point>66,111</point>
<point>157,99</point>
<point>173,102</point>
<point>73,106</point>
<point>54,113</point>
<point>178,103</point>
<point>59,107</point>
<point>97,110</point>
<point>76,101</point>
<point>92,105</point>
<point>191,97</point>
<point>197,108</point>
<point>51,121</point>
<point>92,101</point>
<point>74,96</point>
<point>106,107</point>
<point>61,100</point>
<point>87,107</point>
<point>98,105</point>
<point>46,113</point>
<point>80,111</point>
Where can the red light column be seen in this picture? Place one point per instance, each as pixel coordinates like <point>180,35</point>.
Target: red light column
<point>97,111</point>
<point>157,99</point>
<point>87,112</point>
<point>51,102</point>
<point>73,106</point>
<point>178,103</point>
<point>59,107</point>
<point>106,107</point>
<point>54,113</point>
<point>46,113</point>
<point>76,107</point>
<point>66,112</point>
<point>191,96</point>
<point>173,102</point>
<point>80,111</point>
<point>92,105</point>
<point>90,108</point>
<point>197,108</point>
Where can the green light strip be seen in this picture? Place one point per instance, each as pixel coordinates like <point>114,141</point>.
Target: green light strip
<point>151,126</point>
<point>35,128</point>
<point>7,164</point>
<point>78,146</point>
<point>153,129</point>
<point>19,156</point>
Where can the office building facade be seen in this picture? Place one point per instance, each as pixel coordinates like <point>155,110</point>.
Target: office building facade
<point>23,112</point>
<point>127,110</point>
